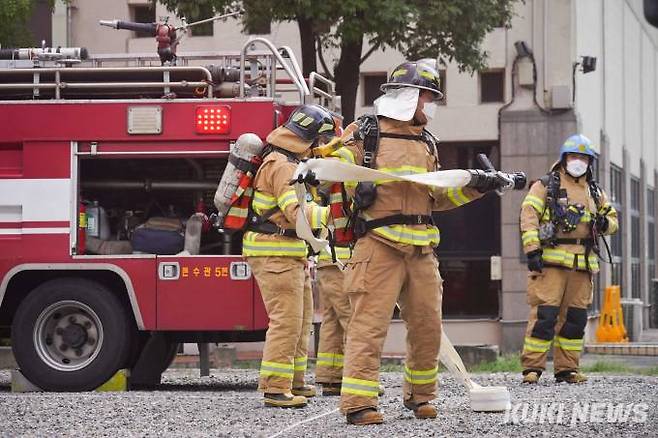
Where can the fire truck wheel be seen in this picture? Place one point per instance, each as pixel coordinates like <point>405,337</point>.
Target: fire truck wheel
<point>70,334</point>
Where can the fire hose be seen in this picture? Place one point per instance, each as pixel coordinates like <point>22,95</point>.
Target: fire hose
<point>483,399</point>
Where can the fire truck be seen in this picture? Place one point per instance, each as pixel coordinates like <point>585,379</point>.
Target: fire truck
<point>94,150</point>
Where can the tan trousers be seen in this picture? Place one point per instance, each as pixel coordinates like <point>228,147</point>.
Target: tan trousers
<point>285,286</point>
<point>558,301</point>
<point>335,317</point>
<point>378,276</point>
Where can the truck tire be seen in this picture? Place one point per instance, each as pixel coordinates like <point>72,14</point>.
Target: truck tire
<point>71,334</point>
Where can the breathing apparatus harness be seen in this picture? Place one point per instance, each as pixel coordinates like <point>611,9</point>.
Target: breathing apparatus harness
<point>566,217</point>
<point>261,223</point>
<point>366,192</point>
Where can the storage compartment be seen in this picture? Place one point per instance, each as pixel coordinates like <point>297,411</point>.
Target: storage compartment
<point>157,197</point>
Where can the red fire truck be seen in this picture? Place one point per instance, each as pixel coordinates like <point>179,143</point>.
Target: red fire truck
<point>91,151</point>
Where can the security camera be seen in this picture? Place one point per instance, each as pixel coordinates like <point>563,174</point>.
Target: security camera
<point>522,49</point>
<point>588,63</point>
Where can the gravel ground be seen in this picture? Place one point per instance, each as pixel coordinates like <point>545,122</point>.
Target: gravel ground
<point>226,404</point>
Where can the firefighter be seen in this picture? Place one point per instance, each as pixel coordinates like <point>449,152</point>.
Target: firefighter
<point>335,316</point>
<point>329,279</point>
<point>278,258</point>
<point>393,259</point>
<point>561,218</point>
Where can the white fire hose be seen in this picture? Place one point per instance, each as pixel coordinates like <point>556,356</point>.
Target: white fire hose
<point>482,398</point>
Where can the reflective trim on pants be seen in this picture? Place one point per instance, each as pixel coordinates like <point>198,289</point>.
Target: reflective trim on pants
<point>333,360</point>
<point>420,377</point>
<point>569,344</point>
<point>367,388</point>
<point>276,369</point>
<point>536,345</point>
<point>301,363</point>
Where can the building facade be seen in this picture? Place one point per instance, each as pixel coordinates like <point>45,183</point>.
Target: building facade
<point>518,111</point>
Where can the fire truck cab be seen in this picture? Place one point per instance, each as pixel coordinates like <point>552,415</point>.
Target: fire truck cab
<point>94,154</point>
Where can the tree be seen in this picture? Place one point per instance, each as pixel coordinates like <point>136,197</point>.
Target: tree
<point>14,15</point>
<point>450,30</point>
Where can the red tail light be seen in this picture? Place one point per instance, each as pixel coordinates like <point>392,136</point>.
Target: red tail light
<point>213,119</point>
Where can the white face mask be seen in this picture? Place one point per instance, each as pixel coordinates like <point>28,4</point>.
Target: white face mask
<point>429,109</point>
<point>577,168</point>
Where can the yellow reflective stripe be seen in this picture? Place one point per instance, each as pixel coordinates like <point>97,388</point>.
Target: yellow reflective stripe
<point>420,377</point>
<point>399,171</point>
<point>333,360</point>
<point>569,344</point>
<point>558,256</point>
<point>344,154</point>
<point>286,248</point>
<point>319,216</point>
<point>263,202</point>
<point>403,170</point>
<point>530,237</point>
<point>288,198</point>
<point>300,363</point>
<point>367,388</point>
<point>335,198</point>
<point>410,236</point>
<point>342,253</point>
<point>276,369</point>
<point>535,202</point>
<point>341,222</point>
<point>593,262</point>
<point>457,196</point>
<point>536,345</point>
<point>238,212</point>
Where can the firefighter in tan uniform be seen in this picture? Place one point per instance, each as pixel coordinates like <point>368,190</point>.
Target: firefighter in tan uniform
<point>335,316</point>
<point>278,258</point>
<point>561,219</point>
<point>393,259</point>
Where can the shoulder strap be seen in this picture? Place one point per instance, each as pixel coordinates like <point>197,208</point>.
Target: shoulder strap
<point>369,132</point>
<point>269,148</point>
<point>595,193</point>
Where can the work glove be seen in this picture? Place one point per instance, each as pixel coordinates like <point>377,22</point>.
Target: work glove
<point>601,223</point>
<point>485,180</point>
<point>309,178</point>
<point>535,263</point>
<point>572,216</point>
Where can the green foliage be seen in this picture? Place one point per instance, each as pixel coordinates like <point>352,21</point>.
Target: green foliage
<point>653,371</point>
<point>247,364</point>
<point>448,29</point>
<point>510,363</point>
<point>603,366</point>
<point>14,15</point>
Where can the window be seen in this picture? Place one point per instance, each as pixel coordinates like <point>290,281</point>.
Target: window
<point>635,238</point>
<point>142,14</point>
<point>492,86</point>
<point>651,238</point>
<point>616,244</point>
<point>371,84</point>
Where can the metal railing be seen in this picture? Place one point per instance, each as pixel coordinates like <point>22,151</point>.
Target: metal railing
<point>58,84</point>
<point>256,67</point>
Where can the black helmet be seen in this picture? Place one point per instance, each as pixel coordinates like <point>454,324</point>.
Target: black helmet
<point>415,74</point>
<point>311,121</point>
